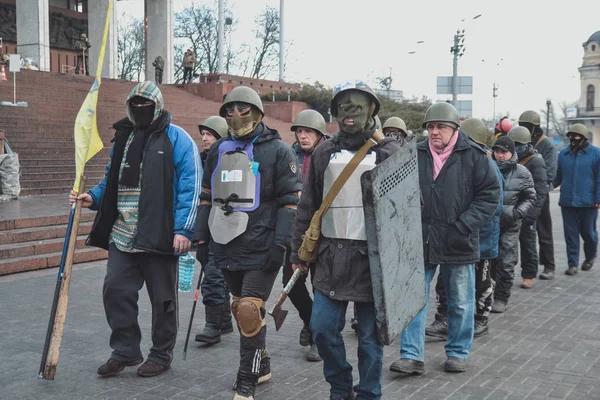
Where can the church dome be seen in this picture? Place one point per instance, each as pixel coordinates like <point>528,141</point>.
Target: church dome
<point>594,38</point>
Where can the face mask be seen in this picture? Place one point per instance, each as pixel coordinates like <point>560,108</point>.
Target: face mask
<point>241,125</point>
<point>142,116</point>
<point>520,148</point>
<point>576,142</point>
<point>357,106</point>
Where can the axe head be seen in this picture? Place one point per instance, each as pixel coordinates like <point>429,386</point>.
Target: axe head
<point>278,315</point>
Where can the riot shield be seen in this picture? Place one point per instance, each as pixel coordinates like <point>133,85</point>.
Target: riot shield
<point>392,207</point>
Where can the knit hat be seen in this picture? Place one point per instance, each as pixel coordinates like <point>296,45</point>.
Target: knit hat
<point>504,143</point>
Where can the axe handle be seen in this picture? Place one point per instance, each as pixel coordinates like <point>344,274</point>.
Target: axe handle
<point>288,288</point>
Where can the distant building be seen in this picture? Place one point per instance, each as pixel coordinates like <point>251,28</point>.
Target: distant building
<point>588,107</point>
<point>395,95</point>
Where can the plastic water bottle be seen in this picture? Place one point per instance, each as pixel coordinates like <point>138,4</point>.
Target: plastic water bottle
<point>187,263</point>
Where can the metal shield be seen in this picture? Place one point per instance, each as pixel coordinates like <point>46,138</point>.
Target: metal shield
<point>392,207</point>
<point>224,228</point>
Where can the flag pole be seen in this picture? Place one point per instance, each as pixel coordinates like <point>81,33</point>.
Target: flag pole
<point>49,369</point>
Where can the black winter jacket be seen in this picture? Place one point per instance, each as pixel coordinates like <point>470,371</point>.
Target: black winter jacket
<point>534,162</point>
<point>549,153</point>
<point>271,223</point>
<point>519,192</point>
<point>342,267</point>
<point>458,203</point>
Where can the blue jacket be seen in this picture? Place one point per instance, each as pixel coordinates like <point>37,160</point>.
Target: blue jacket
<point>171,159</point>
<point>489,234</point>
<point>579,175</point>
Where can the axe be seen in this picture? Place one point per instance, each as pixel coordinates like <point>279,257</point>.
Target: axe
<point>277,312</point>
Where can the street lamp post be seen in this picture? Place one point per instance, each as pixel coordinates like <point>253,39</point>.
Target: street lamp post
<point>548,105</point>
<point>457,50</point>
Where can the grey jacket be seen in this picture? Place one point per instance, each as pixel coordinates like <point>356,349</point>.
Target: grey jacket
<point>342,267</point>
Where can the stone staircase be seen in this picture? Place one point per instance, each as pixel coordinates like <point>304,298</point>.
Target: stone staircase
<point>32,229</point>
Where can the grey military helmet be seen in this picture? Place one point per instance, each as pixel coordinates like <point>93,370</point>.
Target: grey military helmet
<point>580,129</point>
<point>217,125</point>
<point>520,134</point>
<point>476,130</point>
<point>395,122</point>
<point>530,117</point>
<point>442,112</point>
<point>310,119</point>
<point>242,94</point>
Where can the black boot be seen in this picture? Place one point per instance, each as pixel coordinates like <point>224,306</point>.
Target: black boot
<point>226,325</point>
<point>245,386</point>
<point>211,333</point>
<point>481,326</point>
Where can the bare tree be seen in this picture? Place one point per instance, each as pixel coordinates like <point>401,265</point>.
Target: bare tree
<point>267,50</point>
<point>558,121</point>
<point>130,48</point>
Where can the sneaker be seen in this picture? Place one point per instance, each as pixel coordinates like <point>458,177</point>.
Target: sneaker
<point>150,368</point>
<point>498,306</point>
<point>571,271</point>
<point>547,275</point>
<point>587,265</point>
<point>245,386</point>
<point>455,364</point>
<point>264,373</point>
<point>527,283</point>
<point>408,366</point>
<point>481,327</point>
<point>438,328</point>
<point>313,354</point>
<point>112,367</point>
<point>305,336</point>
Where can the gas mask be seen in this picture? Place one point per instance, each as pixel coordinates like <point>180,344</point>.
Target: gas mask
<point>242,118</point>
<point>142,111</point>
<point>576,141</point>
<point>354,111</point>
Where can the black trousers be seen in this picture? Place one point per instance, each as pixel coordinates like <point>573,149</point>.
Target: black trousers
<point>80,64</point>
<point>187,75</point>
<point>255,283</point>
<point>299,295</point>
<point>544,231</point>
<point>484,289</point>
<point>503,267</point>
<point>158,74</point>
<point>126,273</point>
<point>529,252</point>
<point>213,287</point>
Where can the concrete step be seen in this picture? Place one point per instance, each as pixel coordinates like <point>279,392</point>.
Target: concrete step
<point>30,263</point>
<point>34,161</point>
<point>50,220</point>
<point>14,236</point>
<point>59,176</point>
<point>62,169</point>
<point>37,248</point>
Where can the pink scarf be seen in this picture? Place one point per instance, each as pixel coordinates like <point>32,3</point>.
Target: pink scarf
<point>440,156</point>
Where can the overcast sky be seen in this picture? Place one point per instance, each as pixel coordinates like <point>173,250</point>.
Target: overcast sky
<point>530,48</point>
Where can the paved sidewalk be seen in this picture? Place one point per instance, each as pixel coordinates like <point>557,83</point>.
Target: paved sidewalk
<point>546,346</point>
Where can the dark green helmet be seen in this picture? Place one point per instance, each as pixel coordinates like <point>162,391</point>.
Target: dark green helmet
<point>395,122</point>
<point>358,85</point>
<point>520,135</point>
<point>310,119</point>
<point>242,94</point>
<point>530,117</point>
<point>217,125</point>
<point>580,129</point>
<point>476,130</point>
<point>442,112</point>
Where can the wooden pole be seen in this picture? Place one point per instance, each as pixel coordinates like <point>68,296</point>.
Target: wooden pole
<point>63,298</point>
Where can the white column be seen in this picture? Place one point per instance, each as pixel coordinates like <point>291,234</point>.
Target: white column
<point>33,32</point>
<point>159,37</point>
<point>97,10</point>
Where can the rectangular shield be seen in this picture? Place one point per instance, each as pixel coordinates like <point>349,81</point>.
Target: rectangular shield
<point>392,206</point>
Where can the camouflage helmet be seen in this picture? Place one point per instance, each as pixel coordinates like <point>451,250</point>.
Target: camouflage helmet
<point>520,134</point>
<point>442,112</point>
<point>476,130</point>
<point>359,86</point>
<point>242,94</point>
<point>579,129</point>
<point>217,125</point>
<point>530,117</point>
<point>83,36</point>
<point>395,122</point>
<point>310,119</point>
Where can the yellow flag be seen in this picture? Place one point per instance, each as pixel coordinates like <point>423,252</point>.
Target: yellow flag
<point>87,138</point>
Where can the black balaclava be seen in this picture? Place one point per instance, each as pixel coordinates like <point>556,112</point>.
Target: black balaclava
<point>576,142</point>
<point>143,117</point>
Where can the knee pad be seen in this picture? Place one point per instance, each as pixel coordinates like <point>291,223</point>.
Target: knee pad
<point>248,312</point>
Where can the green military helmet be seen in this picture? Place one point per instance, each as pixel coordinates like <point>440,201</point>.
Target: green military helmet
<point>242,94</point>
<point>310,119</point>
<point>530,117</point>
<point>358,85</point>
<point>580,129</point>
<point>217,125</point>
<point>442,112</point>
<point>520,134</point>
<point>476,130</point>
<point>395,122</point>
<point>83,36</point>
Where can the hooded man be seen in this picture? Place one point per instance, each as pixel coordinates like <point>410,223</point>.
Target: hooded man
<point>189,60</point>
<point>146,205</point>
<point>248,202</point>
<point>82,46</point>
<point>159,66</point>
<point>341,268</point>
